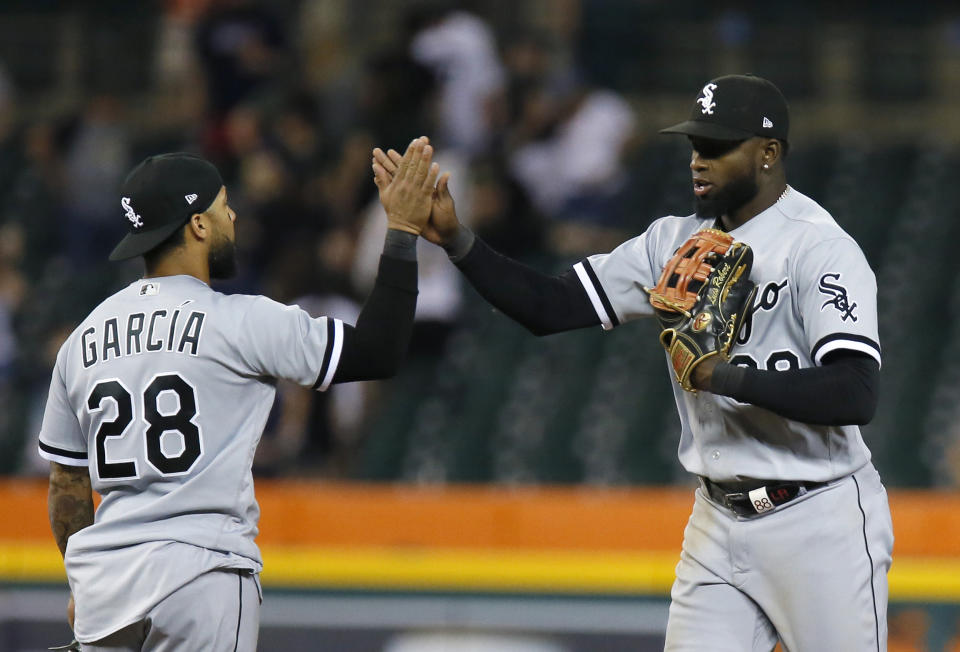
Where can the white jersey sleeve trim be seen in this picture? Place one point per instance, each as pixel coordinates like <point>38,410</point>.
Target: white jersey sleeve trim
<point>846,342</point>
<point>331,357</point>
<point>62,455</point>
<point>594,295</point>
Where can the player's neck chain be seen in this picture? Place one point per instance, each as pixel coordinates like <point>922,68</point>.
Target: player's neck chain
<point>718,223</point>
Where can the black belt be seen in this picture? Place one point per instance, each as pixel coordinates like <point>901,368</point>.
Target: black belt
<point>757,496</point>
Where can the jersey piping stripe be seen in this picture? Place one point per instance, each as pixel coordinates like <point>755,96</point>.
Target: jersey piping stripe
<point>598,298</point>
<point>866,545</point>
<point>839,341</point>
<point>331,357</point>
<point>66,461</point>
<point>236,643</point>
<point>331,333</point>
<point>335,356</point>
<point>62,452</point>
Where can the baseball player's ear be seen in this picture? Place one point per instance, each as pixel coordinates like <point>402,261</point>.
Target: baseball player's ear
<point>198,226</point>
<point>772,151</point>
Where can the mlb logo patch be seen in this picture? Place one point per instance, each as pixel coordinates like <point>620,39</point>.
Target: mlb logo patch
<point>149,289</point>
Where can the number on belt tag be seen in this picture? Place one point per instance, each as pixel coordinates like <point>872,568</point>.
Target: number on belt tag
<point>760,500</point>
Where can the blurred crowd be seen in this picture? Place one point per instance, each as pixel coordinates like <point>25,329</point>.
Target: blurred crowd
<point>289,109</point>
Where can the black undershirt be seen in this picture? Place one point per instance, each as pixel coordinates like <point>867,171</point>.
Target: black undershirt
<point>374,348</point>
<point>843,391</point>
<point>543,304</point>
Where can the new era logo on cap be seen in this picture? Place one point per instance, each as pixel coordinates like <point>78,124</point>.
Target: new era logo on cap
<point>766,123</point>
<point>192,198</point>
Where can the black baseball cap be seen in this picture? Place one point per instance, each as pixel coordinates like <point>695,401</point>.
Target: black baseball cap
<point>736,107</point>
<point>160,195</point>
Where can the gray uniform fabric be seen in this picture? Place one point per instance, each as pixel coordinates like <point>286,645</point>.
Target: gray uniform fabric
<point>812,572</point>
<point>164,391</point>
<point>743,577</point>
<point>219,611</point>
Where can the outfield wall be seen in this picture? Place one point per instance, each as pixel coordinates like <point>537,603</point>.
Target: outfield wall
<point>367,565</point>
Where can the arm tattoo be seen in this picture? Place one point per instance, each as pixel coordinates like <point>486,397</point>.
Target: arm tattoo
<point>69,502</point>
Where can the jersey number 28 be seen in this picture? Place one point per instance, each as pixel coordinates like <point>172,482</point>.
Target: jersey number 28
<point>158,423</point>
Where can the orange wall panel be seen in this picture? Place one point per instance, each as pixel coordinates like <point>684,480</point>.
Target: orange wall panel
<point>926,523</point>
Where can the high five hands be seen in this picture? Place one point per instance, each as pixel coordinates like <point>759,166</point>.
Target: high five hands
<point>407,191</point>
<point>390,168</point>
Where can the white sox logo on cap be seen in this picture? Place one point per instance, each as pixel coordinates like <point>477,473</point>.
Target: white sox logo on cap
<point>707,100</point>
<point>131,214</point>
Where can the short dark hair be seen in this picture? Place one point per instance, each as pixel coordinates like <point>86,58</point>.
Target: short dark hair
<point>176,239</point>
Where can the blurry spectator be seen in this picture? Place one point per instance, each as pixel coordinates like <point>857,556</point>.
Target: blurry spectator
<point>241,48</point>
<point>242,136</point>
<point>13,287</point>
<point>179,95</point>
<point>33,198</point>
<point>298,135</point>
<point>393,100</point>
<point>346,185</point>
<point>460,49</point>
<point>573,169</point>
<point>501,211</point>
<point>528,60</point>
<point>242,51</point>
<point>96,159</point>
<point>9,143</point>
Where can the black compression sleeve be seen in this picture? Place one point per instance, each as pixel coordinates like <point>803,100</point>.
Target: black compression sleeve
<point>844,391</point>
<point>541,303</point>
<point>375,347</point>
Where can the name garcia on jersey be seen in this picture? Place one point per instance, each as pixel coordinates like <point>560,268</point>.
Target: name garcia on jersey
<point>142,333</point>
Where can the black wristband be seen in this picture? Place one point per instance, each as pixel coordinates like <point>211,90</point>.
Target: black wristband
<point>401,245</point>
<point>460,245</point>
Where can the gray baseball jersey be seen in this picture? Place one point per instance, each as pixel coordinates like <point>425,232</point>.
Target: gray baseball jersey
<point>816,294</point>
<point>164,391</point>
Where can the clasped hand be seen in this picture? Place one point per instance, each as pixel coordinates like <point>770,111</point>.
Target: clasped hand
<point>407,194</point>
<point>440,224</point>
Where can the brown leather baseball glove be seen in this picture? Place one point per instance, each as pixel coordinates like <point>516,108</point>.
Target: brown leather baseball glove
<point>702,299</point>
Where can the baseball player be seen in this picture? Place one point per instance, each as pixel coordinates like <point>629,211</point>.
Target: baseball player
<point>790,537</point>
<point>160,396</point>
